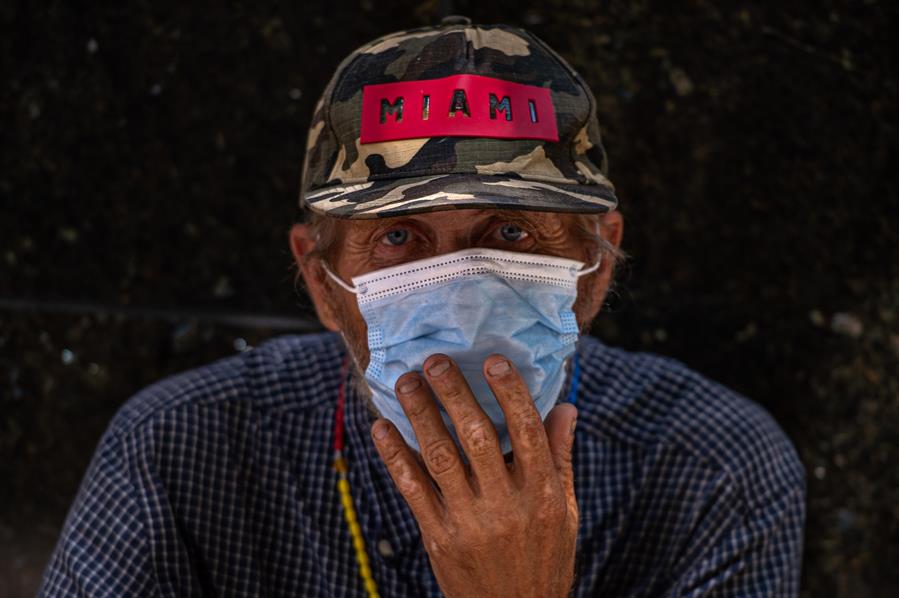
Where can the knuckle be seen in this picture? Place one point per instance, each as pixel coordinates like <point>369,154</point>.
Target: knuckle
<point>437,548</point>
<point>450,392</point>
<point>522,410</point>
<point>520,393</point>
<point>480,436</point>
<point>557,510</point>
<point>438,545</point>
<point>412,490</point>
<point>551,513</point>
<point>416,408</point>
<point>494,528</point>
<point>550,489</point>
<point>544,486</point>
<point>530,430</point>
<point>510,525</point>
<point>393,455</point>
<point>440,456</point>
<point>408,485</point>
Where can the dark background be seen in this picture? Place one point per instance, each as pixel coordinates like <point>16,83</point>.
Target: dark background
<point>150,168</point>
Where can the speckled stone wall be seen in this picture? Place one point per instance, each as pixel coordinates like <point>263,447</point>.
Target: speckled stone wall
<point>149,167</point>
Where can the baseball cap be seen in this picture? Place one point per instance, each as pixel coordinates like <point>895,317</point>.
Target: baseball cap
<point>455,116</point>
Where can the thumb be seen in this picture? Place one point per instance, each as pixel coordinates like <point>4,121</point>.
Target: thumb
<point>560,432</point>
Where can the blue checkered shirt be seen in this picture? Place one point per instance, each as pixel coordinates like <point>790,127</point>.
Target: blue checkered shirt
<point>219,482</point>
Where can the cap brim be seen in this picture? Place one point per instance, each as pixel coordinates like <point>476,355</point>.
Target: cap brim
<point>399,197</point>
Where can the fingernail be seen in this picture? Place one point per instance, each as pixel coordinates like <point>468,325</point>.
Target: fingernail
<point>410,385</point>
<point>499,368</point>
<point>438,368</point>
<point>379,431</point>
<point>573,425</point>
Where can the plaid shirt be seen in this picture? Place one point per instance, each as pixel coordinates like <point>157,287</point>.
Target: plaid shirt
<point>219,482</point>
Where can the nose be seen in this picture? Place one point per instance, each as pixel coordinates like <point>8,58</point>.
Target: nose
<point>449,241</point>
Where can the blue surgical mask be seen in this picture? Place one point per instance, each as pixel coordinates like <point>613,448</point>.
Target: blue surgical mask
<point>470,304</point>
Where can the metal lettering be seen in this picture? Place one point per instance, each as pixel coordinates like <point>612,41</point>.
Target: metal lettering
<point>460,102</point>
<point>532,107</point>
<point>395,108</point>
<point>503,106</point>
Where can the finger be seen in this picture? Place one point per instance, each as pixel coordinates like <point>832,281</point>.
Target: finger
<point>559,426</point>
<point>529,443</point>
<point>410,479</point>
<point>438,451</point>
<point>473,428</point>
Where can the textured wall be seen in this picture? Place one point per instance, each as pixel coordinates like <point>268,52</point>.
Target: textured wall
<point>149,167</point>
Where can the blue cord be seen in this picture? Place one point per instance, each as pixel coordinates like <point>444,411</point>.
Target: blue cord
<point>575,377</point>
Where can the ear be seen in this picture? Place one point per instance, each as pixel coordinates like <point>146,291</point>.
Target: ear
<point>592,289</point>
<point>302,244</point>
<point>612,227</point>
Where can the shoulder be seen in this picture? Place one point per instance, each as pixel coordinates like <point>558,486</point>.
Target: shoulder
<point>660,407</point>
<point>286,373</point>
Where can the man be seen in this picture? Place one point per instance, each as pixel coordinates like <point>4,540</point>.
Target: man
<point>461,231</point>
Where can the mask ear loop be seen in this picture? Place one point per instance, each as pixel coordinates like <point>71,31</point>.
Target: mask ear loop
<point>595,266</point>
<point>589,269</point>
<point>350,288</point>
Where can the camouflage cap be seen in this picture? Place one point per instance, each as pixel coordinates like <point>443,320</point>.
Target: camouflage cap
<point>455,116</point>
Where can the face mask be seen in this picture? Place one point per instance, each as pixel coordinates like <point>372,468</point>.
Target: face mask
<point>470,304</point>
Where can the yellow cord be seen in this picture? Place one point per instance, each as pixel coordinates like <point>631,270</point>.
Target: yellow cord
<point>349,514</point>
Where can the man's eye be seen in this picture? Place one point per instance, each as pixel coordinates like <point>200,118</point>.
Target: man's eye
<point>512,233</point>
<point>395,237</point>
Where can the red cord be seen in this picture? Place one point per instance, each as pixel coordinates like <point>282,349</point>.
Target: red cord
<point>341,400</point>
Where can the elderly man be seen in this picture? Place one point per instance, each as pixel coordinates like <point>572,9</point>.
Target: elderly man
<point>461,232</point>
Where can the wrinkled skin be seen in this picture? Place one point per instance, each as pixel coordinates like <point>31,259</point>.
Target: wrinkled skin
<point>494,526</point>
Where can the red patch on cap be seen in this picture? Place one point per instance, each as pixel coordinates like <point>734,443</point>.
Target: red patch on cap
<point>457,106</point>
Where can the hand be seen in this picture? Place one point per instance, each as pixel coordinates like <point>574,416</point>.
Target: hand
<point>490,529</point>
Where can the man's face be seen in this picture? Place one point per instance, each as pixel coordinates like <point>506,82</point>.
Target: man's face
<point>363,246</point>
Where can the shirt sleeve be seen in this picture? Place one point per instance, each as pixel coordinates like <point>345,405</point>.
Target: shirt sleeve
<point>755,552</point>
<point>103,548</point>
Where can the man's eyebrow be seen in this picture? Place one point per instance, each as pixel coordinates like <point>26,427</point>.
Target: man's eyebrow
<point>533,217</point>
